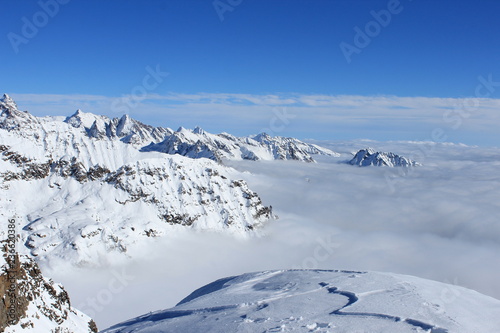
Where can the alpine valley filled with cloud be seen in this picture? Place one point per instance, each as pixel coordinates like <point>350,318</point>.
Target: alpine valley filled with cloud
<point>232,166</point>
<point>134,217</point>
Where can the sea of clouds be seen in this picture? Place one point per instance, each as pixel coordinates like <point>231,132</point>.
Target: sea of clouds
<point>438,221</point>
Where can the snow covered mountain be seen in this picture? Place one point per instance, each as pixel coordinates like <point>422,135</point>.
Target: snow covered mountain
<point>191,143</point>
<point>125,128</point>
<point>324,301</point>
<point>102,195</point>
<point>368,156</point>
<point>40,304</point>
<point>198,143</point>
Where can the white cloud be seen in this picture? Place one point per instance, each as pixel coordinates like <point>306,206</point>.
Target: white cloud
<point>439,222</point>
<point>472,120</point>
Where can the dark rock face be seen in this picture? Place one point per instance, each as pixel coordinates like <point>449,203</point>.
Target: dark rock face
<point>23,288</point>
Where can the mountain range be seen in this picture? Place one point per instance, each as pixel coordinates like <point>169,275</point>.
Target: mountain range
<point>91,167</point>
<point>89,190</point>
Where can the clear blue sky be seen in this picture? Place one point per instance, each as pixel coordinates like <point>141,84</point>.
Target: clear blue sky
<point>95,47</point>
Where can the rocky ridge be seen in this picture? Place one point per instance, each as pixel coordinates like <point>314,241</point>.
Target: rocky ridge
<point>370,157</point>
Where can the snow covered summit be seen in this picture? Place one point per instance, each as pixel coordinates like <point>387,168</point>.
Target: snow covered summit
<point>324,301</point>
<point>126,129</point>
<point>7,103</point>
<point>368,156</point>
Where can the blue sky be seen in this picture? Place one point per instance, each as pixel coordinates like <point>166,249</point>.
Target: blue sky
<point>92,53</point>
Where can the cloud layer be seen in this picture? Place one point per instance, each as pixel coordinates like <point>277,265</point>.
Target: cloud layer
<point>468,120</point>
<point>439,221</point>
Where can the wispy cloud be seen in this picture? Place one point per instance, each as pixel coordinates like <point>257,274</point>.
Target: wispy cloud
<point>313,114</point>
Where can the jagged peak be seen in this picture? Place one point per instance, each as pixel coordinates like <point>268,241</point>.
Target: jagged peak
<point>8,102</point>
<point>368,150</point>
<point>261,137</point>
<point>125,118</point>
<point>123,124</point>
<point>370,156</point>
<point>75,119</point>
<point>198,130</point>
<point>6,98</point>
<point>86,119</point>
<point>94,131</point>
<point>78,113</point>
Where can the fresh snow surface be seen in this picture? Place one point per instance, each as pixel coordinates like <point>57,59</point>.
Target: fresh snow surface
<point>324,301</point>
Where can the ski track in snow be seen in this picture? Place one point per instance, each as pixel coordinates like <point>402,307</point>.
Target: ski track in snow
<point>353,298</point>
<point>261,304</point>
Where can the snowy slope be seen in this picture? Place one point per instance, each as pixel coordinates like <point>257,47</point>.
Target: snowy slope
<point>368,156</point>
<point>102,195</point>
<point>324,301</point>
<point>85,213</point>
<point>42,305</point>
<point>197,143</point>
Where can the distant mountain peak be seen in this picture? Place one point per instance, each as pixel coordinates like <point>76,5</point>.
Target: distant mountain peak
<point>198,130</point>
<point>94,131</point>
<point>80,118</point>
<point>6,102</point>
<point>369,156</point>
<point>259,137</point>
<point>123,125</point>
<point>13,119</point>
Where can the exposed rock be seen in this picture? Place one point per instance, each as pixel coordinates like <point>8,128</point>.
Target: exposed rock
<point>368,156</point>
<point>31,302</point>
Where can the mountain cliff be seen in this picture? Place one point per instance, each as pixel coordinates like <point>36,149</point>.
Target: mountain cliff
<point>33,303</point>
